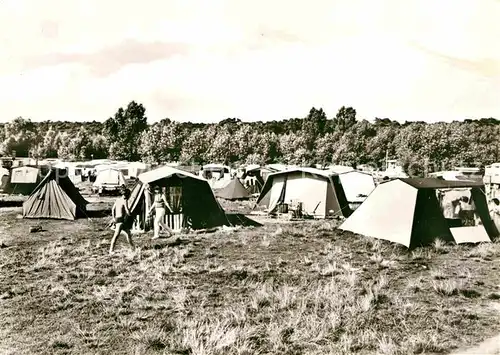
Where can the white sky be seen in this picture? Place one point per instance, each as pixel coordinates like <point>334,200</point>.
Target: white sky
<point>206,60</point>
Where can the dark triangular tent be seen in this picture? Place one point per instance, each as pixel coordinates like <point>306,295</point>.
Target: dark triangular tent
<point>190,196</point>
<point>55,197</point>
<point>409,212</point>
<point>233,191</point>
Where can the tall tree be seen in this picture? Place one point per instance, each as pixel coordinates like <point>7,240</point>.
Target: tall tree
<point>345,119</point>
<point>124,131</point>
<point>21,137</point>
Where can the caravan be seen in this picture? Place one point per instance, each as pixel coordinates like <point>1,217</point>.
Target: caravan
<point>108,181</point>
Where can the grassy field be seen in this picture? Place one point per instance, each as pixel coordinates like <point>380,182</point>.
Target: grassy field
<point>284,288</point>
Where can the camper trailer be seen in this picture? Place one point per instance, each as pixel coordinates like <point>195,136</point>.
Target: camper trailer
<point>108,181</point>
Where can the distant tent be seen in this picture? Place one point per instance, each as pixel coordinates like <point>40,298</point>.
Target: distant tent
<point>190,197</point>
<point>408,211</point>
<point>320,192</point>
<point>254,176</point>
<point>55,197</point>
<point>233,191</point>
<point>24,179</point>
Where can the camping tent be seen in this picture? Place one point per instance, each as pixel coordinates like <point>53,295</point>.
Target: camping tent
<point>109,179</point>
<point>190,197</point>
<point>55,197</point>
<point>408,211</point>
<point>233,191</point>
<point>321,192</point>
<point>254,177</point>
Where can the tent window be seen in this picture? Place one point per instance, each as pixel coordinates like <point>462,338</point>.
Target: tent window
<point>175,198</point>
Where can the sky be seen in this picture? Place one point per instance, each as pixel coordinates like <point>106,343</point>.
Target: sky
<point>207,60</point>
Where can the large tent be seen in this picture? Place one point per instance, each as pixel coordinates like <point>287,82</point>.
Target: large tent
<point>233,191</point>
<point>190,197</point>
<point>55,197</point>
<point>411,212</point>
<point>320,192</point>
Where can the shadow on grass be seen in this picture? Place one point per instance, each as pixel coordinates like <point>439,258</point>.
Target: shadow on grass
<point>238,219</point>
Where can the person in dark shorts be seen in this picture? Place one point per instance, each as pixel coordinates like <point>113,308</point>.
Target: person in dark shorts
<point>121,214</point>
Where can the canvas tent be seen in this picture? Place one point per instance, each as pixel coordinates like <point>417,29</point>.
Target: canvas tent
<point>233,191</point>
<point>320,192</point>
<point>190,196</point>
<point>408,211</point>
<point>55,197</point>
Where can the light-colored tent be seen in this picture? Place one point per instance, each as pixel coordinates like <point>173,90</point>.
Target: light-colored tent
<point>55,197</point>
<point>233,191</point>
<point>320,192</point>
<point>190,197</point>
<point>408,211</point>
<point>109,178</point>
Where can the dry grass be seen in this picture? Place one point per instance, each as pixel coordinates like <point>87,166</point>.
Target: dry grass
<point>298,288</point>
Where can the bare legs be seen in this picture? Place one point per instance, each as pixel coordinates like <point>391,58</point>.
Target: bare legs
<point>158,222</point>
<point>119,229</point>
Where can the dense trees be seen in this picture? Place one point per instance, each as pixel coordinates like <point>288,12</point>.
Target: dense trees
<point>313,139</point>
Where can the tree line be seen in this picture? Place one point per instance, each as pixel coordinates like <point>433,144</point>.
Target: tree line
<point>313,139</point>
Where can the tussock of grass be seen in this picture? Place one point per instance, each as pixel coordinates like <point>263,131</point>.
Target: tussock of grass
<point>447,287</point>
<point>484,251</point>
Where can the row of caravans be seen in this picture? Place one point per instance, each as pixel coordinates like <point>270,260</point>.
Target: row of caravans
<point>105,175</point>
<point>80,171</point>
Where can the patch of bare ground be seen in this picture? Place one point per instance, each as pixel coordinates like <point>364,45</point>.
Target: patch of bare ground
<point>296,288</point>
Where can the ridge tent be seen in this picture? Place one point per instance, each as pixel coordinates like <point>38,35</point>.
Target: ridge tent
<point>190,197</point>
<point>233,191</point>
<point>409,212</point>
<point>321,192</point>
<point>55,197</point>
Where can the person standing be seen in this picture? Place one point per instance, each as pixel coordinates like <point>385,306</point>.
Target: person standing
<point>160,204</point>
<point>120,213</point>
